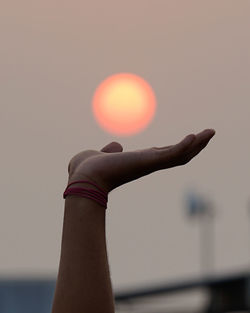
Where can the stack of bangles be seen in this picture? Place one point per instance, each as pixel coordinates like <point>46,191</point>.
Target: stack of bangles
<point>99,196</point>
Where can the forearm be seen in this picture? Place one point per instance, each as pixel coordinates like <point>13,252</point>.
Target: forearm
<point>83,282</point>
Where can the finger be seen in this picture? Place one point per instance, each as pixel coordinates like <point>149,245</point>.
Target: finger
<point>201,142</point>
<point>168,156</point>
<point>181,144</point>
<point>207,133</point>
<point>112,147</point>
<point>200,138</point>
<point>184,151</point>
<point>143,162</point>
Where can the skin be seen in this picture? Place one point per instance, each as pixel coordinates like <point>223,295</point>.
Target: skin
<point>84,282</point>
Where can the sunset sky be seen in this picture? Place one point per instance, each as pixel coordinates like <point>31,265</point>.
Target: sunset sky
<point>196,57</point>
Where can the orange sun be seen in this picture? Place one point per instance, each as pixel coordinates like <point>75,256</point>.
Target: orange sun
<point>124,104</point>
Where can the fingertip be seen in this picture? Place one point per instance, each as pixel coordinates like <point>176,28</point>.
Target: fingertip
<point>211,131</point>
<point>112,147</point>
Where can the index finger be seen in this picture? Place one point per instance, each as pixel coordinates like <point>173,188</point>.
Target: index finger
<point>185,150</point>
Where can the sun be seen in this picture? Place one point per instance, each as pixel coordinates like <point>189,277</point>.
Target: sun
<point>124,104</point>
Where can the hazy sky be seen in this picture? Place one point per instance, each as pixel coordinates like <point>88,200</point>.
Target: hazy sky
<point>196,56</point>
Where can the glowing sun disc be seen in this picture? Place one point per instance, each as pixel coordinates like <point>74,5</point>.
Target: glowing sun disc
<point>124,104</point>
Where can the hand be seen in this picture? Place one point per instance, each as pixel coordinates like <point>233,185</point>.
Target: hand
<point>110,167</point>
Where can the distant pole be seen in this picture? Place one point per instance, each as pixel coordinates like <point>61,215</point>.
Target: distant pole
<point>202,210</point>
<point>248,211</point>
<point>207,240</point>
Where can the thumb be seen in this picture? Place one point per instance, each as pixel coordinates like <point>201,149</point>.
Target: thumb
<point>112,147</point>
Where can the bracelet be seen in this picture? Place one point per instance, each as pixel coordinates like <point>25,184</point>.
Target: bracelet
<point>99,196</point>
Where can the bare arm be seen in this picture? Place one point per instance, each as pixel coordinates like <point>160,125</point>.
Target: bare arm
<point>83,282</point>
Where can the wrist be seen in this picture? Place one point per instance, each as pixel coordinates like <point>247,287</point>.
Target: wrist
<point>84,177</point>
<point>77,202</point>
<point>78,189</point>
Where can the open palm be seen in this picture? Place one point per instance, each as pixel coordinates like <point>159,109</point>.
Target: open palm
<point>111,167</point>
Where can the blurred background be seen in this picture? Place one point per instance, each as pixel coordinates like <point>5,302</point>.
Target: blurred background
<point>185,229</point>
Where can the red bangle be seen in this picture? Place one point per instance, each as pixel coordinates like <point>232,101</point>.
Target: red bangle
<point>99,196</point>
